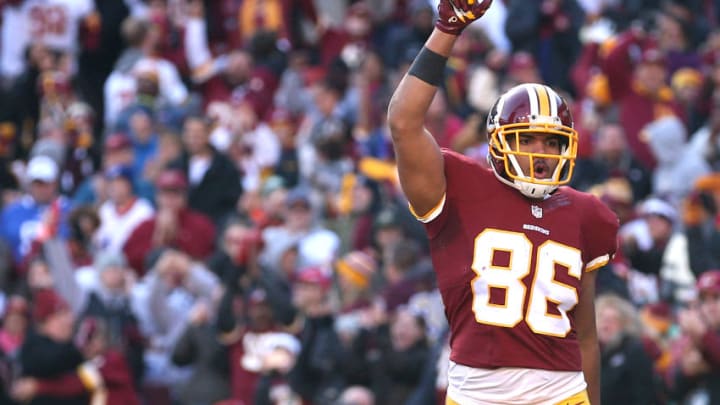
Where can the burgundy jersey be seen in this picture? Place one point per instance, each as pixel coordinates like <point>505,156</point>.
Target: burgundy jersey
<point>509,267</point>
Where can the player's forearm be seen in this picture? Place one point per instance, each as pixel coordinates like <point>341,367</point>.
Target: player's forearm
<point>591,368</point>
<point>412,98</point>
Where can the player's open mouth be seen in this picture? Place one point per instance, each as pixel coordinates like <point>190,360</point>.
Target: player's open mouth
<point>541,170</point>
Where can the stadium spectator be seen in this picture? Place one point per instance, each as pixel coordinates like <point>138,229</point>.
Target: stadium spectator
<point>117,151</point>
<point>21,220</point>
<point>317,246</point>
<point>200,348</point>
<point>700,222</point>
<point>612,158</point>
<point>122,212</point>
<point>314,376</point>
<point>214,183</point>
<point>104,376</point>
<point>699,363</point>
<point>636,73</point>
<point>548,30</point>
<point>404,350</point>
<point>627,371</point>
<point>657,252</point>
<point>173,225</point>
<point>677,166</point>
<point>173,289</point>
<point>142,77</point>
<point>49,351</point>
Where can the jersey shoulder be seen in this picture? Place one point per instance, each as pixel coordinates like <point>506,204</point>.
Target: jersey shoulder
<point>461,170</point>
<point>594,209</point>
<point>463,176</point>
<point>599,227</point>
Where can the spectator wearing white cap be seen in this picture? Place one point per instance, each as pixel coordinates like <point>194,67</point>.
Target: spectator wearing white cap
<point>22,221</point>
<point>657,252</point>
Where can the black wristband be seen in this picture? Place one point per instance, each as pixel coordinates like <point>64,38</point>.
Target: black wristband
<point>428,66</point>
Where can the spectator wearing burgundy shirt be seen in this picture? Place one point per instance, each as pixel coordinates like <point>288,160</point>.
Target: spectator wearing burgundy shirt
<point>639,88</point>
<point>48,351</point>
<point>174,225</point>
<point>222,77</point>
<point>104,376</point>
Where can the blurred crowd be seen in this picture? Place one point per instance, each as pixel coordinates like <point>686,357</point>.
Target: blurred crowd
<point>199,202</point>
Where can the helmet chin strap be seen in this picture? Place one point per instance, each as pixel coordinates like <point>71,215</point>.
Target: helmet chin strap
<point>534,190</point>
<point>527,189</point>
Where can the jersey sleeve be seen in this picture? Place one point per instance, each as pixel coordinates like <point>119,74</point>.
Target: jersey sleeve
<point>599,233</point>
<point>458,170</point>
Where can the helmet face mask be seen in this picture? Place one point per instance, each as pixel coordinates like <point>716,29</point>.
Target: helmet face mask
<point>531,110</point>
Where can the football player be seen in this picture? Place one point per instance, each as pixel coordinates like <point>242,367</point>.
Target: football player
<point>514,252</point>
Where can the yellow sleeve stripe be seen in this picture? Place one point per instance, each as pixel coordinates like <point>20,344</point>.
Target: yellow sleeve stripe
<point>90,376</point>
<point>430,215</point>
<point>450,401</point>
<point>597,262</point>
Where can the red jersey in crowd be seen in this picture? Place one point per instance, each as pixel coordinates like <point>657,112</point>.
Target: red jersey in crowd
<point>107,379</point>
<point>195,236</point>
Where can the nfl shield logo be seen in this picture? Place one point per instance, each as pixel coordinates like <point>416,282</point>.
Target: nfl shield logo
<point>536,211</point>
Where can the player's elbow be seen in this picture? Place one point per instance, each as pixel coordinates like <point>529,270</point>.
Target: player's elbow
<point>400,122</point>
<point>396,119</point>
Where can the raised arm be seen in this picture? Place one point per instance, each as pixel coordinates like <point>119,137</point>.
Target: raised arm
<point>420,163</point>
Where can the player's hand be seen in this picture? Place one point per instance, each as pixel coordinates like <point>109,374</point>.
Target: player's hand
<point>455,15</point>
<point>24,389</point>
<point>279,360</point>
<point>166,228</point>
<point>50,223</point>
<point>199,313</point>
<point>693,363</point>
<point>692,323</point>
